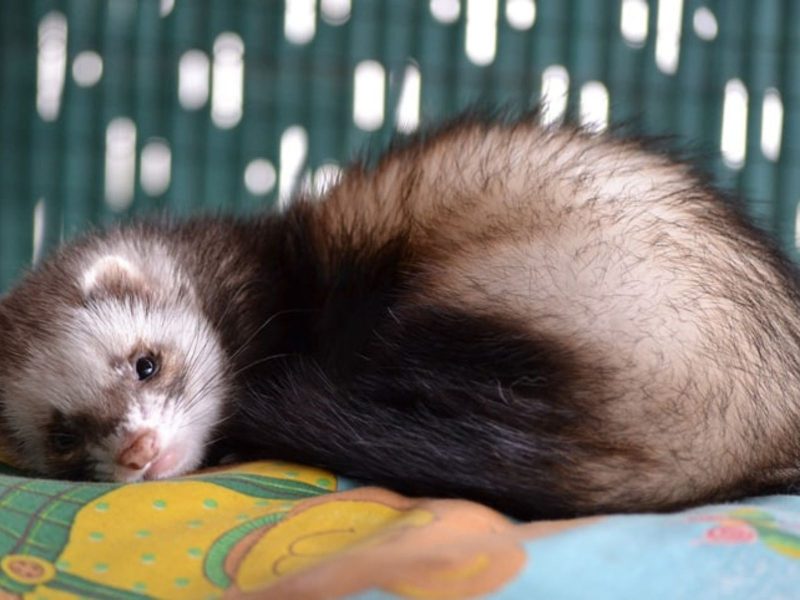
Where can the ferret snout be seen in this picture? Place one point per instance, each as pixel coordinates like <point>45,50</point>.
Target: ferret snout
<point>139,449</point>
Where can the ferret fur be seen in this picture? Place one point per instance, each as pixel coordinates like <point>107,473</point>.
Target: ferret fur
<point>546,320</point>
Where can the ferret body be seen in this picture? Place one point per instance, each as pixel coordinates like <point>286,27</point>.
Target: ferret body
<point>551,322</point>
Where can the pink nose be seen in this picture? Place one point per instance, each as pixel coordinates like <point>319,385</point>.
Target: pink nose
<point>139,449</point>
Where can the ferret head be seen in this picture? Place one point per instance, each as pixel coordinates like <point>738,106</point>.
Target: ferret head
<point>109,369</point>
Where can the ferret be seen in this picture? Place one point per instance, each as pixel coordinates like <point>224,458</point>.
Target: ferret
<point>551,321</point>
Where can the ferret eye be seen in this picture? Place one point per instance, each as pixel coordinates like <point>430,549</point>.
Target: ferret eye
<point>64,441</point>
<point>146,367</point>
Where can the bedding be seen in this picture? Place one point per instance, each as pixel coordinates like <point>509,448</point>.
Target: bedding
<point>276,530</point>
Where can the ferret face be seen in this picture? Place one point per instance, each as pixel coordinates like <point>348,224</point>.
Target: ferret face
<point>125,384</point>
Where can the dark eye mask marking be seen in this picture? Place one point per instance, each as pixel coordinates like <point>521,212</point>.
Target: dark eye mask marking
<point>67,438</point>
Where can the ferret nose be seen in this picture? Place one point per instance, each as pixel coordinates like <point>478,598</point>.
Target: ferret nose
<point>138,449</point>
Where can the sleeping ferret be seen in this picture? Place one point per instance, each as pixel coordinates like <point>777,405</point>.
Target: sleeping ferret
<point>546,320</point>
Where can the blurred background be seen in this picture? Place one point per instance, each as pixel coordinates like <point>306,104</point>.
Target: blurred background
<point>110,108</point>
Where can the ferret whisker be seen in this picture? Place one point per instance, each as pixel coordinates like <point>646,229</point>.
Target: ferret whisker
<point>219,322</point>
<point>262,360</point>
<point>266,323</point>
<point>210,386</point>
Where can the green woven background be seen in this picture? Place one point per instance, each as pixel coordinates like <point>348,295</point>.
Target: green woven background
<point>52,169</point>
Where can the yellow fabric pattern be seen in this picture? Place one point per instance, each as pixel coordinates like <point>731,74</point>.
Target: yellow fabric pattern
<point>259,530</point>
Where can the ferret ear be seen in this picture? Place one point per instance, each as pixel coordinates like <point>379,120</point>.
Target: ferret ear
<point>114,276</point>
